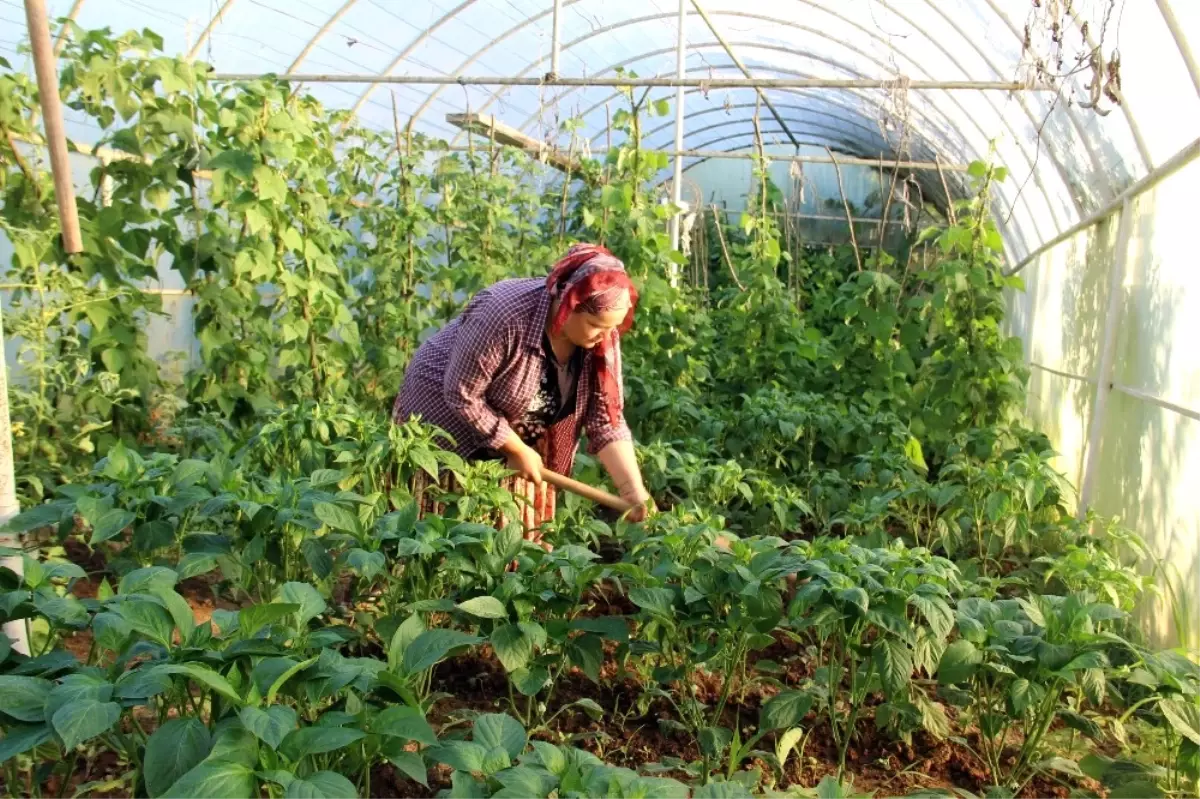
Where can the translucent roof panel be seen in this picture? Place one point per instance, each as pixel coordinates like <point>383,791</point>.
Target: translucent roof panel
<point>1066,159</point>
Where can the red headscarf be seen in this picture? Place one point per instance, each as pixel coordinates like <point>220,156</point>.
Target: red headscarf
<point>590,279</point>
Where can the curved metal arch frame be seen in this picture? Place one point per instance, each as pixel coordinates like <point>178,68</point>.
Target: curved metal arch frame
<point>1058,165</point>
<point>803,109</point>
<point>934,124</point>
<point>777,129</point>
<point>319,35</point>
<point>1030,161</point>
<point>417,42</point>
<point>1006,233</point>
<point>208,29</point>
<point>930,187</point>
<point>662,16</point>
<point>812,129</point>
<point>948,144</point>
<point>760,45</point>
<point>790,93</point>
<point>1003,17</point>
<point>1069,110</point>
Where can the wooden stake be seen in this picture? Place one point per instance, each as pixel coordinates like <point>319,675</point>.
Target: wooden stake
<point>846,204</point>
<point>56,139</point>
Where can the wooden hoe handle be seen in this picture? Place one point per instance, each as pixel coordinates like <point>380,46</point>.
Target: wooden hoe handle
<point>586,491</point>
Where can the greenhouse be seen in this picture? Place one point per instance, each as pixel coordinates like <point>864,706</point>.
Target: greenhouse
<point>566,398</point>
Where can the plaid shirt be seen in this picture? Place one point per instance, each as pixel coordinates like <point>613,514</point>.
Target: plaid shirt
<point>477,376</point>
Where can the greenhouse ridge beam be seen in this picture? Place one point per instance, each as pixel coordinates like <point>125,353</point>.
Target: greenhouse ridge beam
<point>803,159</point>
<point>738,63</point>
<point>665,83</point>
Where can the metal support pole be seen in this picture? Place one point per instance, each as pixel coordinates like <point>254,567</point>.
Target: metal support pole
<point>1181,42</point>
<point>556,38</point>
<point>618,82</point>
<point>677,182</point>
<point>1104,369</point>
<point>52,119</point>
<point>738,63</point>
<point>15,630</point>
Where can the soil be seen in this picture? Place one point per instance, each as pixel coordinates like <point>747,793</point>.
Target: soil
<point>622,736</point>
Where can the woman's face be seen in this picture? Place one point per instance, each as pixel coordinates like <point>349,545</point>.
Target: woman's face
<point>588,329</point>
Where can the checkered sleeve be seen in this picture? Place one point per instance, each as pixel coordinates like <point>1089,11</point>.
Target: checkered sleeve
<point>486,335</point>
<point>600,430</point>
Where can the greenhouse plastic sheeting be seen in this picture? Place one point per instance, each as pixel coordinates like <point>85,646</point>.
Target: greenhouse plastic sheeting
<point>1065,160</point>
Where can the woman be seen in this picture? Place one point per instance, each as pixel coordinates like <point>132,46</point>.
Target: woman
<point>528,366</point>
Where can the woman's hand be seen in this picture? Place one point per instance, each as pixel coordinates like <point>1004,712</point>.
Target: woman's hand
<point>525,461</point>
<point>637,495</point>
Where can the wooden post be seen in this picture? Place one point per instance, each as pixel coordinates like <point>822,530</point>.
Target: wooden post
<point>56,139</point>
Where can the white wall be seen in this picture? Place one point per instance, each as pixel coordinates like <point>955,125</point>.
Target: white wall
<point>1148,468</point>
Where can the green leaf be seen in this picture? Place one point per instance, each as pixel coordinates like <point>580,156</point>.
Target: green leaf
<point>936,611</point>
<point>109,524</point>
<point>513,647</point>
<point>81,721</point>
<point>336,516</point>
<point>662,107</point>
<point>500,730</point>
<point>270,725</point>
<point>958,663</point>
<point>205,676</point>
<point>321,785</point>
<point>366,564</point>
<point>411,763</point>
<point>238,162</point>
<point>893,662</point>
<point>173,750</point>
<point>408,723</point>
<point>150,580</point>
<point>587,652</point>
<point>461,755</point>
<point>658,601</point>
<point>714,740</point>
<point>271,185</point>
<point>317,740</point>
<point>20,739</point>
<point>552,758</point>
<point>496,760</point>
<point>785,710</point>
<point>149,619</point>
<point>722,790</point>
<point>484,607</point>
<point>432,646</point>
<point>194,564</point>
<point>24,698</point>
<point>302,594</point>
<point>915,455</point>
<point>405,634</point>
<point>215,779</point>
<point>787,742</point>
<point>530,681</point>
<point>253,618</point>
<point>856,597</point>
<point>235,744</point>
<point>287,674</point>
<point>189,472</point>
<point>1183,716</point>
